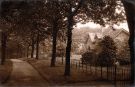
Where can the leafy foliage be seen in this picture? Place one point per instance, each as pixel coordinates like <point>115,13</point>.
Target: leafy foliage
<point>108,53</point>
<point>124,54</point>
<point>100,11</point>
<point>89,58</point>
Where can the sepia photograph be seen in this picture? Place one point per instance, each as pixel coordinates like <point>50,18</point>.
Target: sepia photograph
<point>67,43</point>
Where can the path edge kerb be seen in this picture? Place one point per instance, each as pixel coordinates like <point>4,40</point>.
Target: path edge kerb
<point>42,76</point>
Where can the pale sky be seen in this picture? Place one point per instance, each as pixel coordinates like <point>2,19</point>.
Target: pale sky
<point>92,25</point>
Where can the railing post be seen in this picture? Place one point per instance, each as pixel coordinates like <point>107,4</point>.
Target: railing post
<point>76,64</point>
<point>107,72</point>
<point>86,67</point>
<point>123,75</point>
<point>90,68</point>
<point>82,66</point>
<point>79,64</point>
<point>115,76</point>
<point>101,71</point>
<point>95,70</point>
<point>71,65</point>
<point>62,59</point>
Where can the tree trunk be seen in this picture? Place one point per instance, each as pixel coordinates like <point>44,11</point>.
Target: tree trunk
<point>54,42</point>
<point>37,47</point>
<point>18,50</point>
<point>69,42</point>
<point>3,47</point>
<point>71,14</point>
<point>27,51</point>
<point>32,48</point>
<point>62,58</point>
<point>129,6</point>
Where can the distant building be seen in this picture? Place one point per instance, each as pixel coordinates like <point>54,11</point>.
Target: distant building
<point>91,40</point>
<point>118,35</point>
<point>87,39</point>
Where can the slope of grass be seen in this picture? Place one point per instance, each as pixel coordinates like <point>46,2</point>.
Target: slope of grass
<point>55,75</point>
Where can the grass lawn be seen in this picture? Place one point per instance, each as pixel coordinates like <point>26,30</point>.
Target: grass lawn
<point>5,71</point>
<point>55,75</point>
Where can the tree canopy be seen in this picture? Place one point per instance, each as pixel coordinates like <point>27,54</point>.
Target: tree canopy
<point>34,21</point>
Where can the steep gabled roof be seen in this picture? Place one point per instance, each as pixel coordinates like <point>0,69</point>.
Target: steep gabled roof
<point>99,35</point>
<point>94,36</point>
<point>114,33</point>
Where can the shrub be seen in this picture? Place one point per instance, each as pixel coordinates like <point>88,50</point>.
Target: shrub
<point>108,52</point>
<point>88,57</point>
<point>124,54</point>
<point>124,61</point>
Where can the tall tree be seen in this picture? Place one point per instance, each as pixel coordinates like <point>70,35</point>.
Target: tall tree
<point>129,6</point>
<point>6,28</point>
<point>3,47</point>
<point>108,52</point>
<point>32,46</point>
<point>55,18</point>
<point>71,14</point>
<point>98,11</point>
<point>37,46</point>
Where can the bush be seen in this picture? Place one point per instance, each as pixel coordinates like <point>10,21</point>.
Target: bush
<point>124,54</point>
<point>108,53</point>
<point>88,58</point>
<point>124,62</point>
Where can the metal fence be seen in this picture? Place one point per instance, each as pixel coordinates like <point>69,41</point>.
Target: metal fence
<point>118,75</point>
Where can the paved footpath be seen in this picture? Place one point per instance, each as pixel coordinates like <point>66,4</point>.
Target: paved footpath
<point>24,75</point>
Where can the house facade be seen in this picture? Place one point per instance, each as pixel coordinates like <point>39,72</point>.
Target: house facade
<point>119,36</point>
<point>85,41</point>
